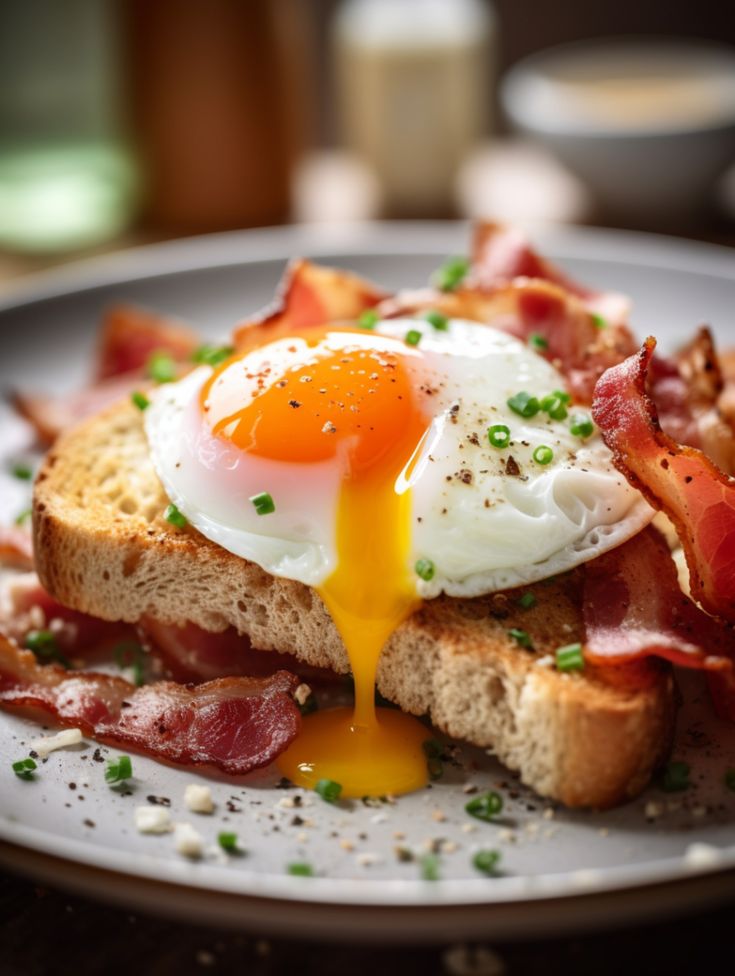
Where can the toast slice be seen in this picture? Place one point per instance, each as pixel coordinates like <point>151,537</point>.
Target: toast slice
<point>102,546</point>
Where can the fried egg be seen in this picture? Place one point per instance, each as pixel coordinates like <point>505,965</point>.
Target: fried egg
<point>382,467</point>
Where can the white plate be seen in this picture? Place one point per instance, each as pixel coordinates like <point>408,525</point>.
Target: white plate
<point>561,870</point>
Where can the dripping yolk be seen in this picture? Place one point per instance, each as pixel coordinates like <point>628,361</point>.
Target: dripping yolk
<point>350,398</point>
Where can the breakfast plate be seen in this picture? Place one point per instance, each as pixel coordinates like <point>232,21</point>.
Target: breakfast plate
<point>405,869</point>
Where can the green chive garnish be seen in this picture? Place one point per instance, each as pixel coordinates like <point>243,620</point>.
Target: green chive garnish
<point>581,425</point>
<point>22,517</point>
<point>485,807</point>
<point>369,319</point>
<point>538,341</point>
<point>412,337</point>
<point>521,637</point>
<point>118,770</point>
<point>543,454</point>
<point>44,646</point>
<point>527,601</point>
<point>730,779</point>
<point>300,869</point>
<point>486,862</point>
<point>425,569</point>
<point>498,435</point>
<point>23,768</point>
<point>228,842</point>
<point>555,404</point>
<point>140,400</point>
<point>131,655</point>
<point>434,750</point>
<point>524,404</point>
<point>675,777</point>
<point>263,503</point>
<point>22,472</point>
<point>429,867</point>
<point>209,355</point>
<point>598,321</point>
<point>328,790</point>
<point>435,318</point>
<point>174,517</point>
<point>570,658</point>
<point>161,367</point>
<point>451,274</point>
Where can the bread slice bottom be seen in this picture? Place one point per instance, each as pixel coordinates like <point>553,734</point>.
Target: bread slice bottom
<point>587,739</point>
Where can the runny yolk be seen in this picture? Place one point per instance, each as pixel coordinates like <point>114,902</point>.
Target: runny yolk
<point>356,403</point>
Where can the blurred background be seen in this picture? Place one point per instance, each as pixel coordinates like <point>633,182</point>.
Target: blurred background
<point>128,121</point>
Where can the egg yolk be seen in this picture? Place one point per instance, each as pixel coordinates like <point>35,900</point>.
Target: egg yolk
<point>351,397</point>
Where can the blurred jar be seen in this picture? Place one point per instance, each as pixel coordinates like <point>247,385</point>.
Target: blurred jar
<point>414,84</point>
<point>221,102</point>
<point>67,179</point>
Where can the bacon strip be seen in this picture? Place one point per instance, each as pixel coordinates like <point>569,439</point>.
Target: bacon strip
<point>681,481</point>
<point>129,335</point>
<point>309,295</point>
<point>16,547</point>
<point>233,724</point>
<point>633,607</point>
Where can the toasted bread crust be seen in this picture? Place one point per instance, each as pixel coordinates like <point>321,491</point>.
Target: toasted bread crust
<point>103,547</point>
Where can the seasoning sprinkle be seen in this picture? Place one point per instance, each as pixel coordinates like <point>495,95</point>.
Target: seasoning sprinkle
<point>263,503</point>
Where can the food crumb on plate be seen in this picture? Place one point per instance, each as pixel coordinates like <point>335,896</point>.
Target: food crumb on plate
<point>187,840</point>
<point>152,820</point>
<point>198,798</point>
<point>49,743</point>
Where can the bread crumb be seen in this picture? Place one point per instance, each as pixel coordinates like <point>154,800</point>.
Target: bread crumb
<point>438,816</point>
<point>549,813</point>
<point>198,798</point>
<point>653,810</point>
<point>367,859</point>
<point>346,845</point>
<point>700,855</point>
<point>469,788</point>
<point>507,836</point>
<point>301,694</point>
<point>468,828</point>
<point>188,842</point>
<point>152,820</point>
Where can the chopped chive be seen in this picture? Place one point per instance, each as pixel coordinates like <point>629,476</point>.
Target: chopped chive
<point>538,341</point>
<point>161,368</point>
<point>300,869</point>
<point>263,503</point>
<point>434,750</point>
<point>118,770</point>
<point>328,790</point>
<point>23,472</point>
<point>174,517</point>
<point>435,318</point>
<point>581,425</point>
<point>498,435</point>
<point>140,400</point>
<point>561,395</point>
<point>369,319</point>
<point>429,864</point>
<point>228,841</point>
<point>730,779</point>
<point>598,321</point>
<point>209,355</point>
<point>44,645</point>
<point>521,637</point>
<point>425,569</point>
<point>485,807</point>
<point>524,404</point>
<point>24,768</point>
<point>543,454</point>
<point>131,655</point>
<point>570,658</point>
<point>22,517</point>
<point>486,861</point>
<point>555,406</point>
<point>451,274</point>
<point>412,337</point>
<point>527,601</point>
<point>675,777</point>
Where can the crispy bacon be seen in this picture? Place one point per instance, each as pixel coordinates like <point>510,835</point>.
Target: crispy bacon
<point>130,335</point>
<point>500,254</point>
<point>16,547</point>
<point>681,481</point>
<point>233,724</point>
<point>633,607</point>
<point>308,295</point>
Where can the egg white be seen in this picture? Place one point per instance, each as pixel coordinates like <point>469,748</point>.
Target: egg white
<point>482,528</point>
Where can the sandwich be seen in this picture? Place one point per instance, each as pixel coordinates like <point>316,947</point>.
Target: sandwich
<point>449,494</point>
